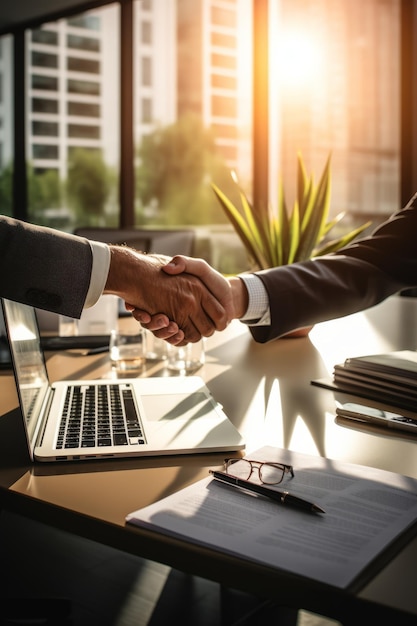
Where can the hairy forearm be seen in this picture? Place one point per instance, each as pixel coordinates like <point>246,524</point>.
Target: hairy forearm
<point>139,280</point>
<point>126,272</point>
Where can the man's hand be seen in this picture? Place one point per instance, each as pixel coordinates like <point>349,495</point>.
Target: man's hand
<point>183,299</point>
<point>213,280</point>
<point>230,293</point>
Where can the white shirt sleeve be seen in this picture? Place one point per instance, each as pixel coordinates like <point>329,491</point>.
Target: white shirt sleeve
<point>99,272</point>
<point>258,311</point>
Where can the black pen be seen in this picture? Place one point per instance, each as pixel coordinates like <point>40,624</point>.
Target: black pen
<point>97,350</point>
<point>283,497</point>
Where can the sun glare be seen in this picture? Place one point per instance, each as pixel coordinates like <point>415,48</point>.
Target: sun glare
<point>298,58</point>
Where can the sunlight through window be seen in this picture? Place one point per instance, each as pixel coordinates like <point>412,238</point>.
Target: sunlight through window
<point>298,59</point>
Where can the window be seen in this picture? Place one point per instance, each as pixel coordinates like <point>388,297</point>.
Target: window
<point>83,131</point>
<point>45,129</point>
<point>76,64</point>
<point>224,17</point>
<point>7,164</point>
<point>225,130</point>
<point>45,37</point>
<point>42,59</point>
<point>146,30</point>
<point>48,83</point>
<point>83,87</point>
<point>223,40</point>
<point>335,83</point>
<point>146,110</point>
<point>73,180</point>
<point>333,88</point>
<point>146,71</point>
<point>224,107</point>
<point>88,21</point>
<point>224,61</point>
<point>223,81</point>
<point>189,128</point>
<point>42,105</point>
<point>83,109</point>
<point>88,44</point>
<point>45,151</point>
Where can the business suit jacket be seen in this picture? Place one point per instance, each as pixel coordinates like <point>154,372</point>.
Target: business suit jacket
<point>352,279</point>
<point>43,267</point>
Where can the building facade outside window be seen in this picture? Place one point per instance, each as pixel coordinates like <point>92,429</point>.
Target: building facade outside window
<point>72,98</point>
<point>6,124</point>
<point>334,88</point>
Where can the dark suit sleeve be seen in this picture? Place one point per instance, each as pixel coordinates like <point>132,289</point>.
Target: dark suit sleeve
<point>353,279</point>
<point>43,267</point>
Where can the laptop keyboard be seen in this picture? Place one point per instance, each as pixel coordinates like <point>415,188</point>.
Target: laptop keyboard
<point>99,415</point>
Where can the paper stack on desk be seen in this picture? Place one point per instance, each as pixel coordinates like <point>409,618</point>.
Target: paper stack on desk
<point>366,510</point>
<point>390,378</point>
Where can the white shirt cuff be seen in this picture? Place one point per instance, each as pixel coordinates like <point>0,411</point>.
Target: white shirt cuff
<point>258,311</point>
<point>99,272</point>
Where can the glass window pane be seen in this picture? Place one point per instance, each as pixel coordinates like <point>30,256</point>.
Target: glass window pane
<point>146,72</point>
<point>88,21</point>
<point>83,43</point>
<point>335,81</point>
<point>83,65</point>
<point>41,59</point>
<point>146,30</point>
<point>45,129</point>
<point>49,83</point>
<point>222,40</point>
<point>44,36</point>
<point>83,131</point>
<point>83,87</point>
<point>74,121</point>
<point>6,124</point>
<point>193,117</point>
<point>43,105</point>
<point>45,151</point>
<point>83,109</point>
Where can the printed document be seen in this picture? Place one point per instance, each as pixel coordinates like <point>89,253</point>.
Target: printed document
<point>366,509</point>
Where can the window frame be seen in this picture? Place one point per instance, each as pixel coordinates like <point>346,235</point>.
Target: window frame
<point>260,146</point>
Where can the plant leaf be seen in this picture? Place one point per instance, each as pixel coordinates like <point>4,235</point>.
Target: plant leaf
<point>333,223</point>
<point>315,218</point>
<point>278,237</point>
<point>294,230</point>
<point>252,221</point>
<point>282,231</point>
<point>241,227</point>
<point>341,242</point>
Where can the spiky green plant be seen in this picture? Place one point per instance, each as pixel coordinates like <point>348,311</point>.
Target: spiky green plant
<point>279,237</point>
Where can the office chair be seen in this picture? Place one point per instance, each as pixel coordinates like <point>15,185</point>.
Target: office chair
<point>151,240</point>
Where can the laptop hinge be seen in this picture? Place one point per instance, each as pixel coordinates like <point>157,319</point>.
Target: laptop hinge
<point>45,412</point>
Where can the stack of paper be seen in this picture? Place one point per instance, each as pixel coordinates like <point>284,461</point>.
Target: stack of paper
<point>390,378</point>
<point>366,511</point>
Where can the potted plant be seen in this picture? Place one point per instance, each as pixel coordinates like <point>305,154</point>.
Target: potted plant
<point>274,237</point>
<point>279,237</point>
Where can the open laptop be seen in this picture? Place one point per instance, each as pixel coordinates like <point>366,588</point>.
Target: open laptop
<point>94,419</point>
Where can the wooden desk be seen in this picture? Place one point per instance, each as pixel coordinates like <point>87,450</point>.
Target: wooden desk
<point>266,392</point>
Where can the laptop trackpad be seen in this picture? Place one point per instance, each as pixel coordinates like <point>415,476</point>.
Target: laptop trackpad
<point>176,406</point>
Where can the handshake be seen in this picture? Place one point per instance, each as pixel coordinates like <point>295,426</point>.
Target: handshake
<point>180,299</point>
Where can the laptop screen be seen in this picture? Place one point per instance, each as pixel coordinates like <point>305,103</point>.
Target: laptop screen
<point>28,360</point>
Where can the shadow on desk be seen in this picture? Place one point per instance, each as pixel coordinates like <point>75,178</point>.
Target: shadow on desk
<point>277,374</point>
<point>282,370</point>
<point>14,454</point>
<point>108,587</point>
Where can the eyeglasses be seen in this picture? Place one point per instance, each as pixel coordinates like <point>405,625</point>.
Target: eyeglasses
<point>269,473</point>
